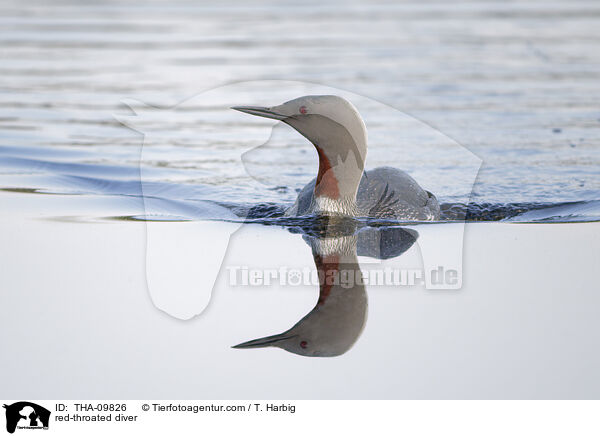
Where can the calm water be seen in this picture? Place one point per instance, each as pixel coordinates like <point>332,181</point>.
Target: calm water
<point>491,104</point>
<point>516,85</point>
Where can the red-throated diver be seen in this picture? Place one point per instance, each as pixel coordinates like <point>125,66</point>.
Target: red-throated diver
<point>342,187</point>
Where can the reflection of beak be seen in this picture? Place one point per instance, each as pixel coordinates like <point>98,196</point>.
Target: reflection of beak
<point>260,112</point>
<point>269,341</point>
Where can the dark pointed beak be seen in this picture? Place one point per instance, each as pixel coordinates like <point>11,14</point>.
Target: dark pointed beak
<point>269,341</point>
<point>260,112</point>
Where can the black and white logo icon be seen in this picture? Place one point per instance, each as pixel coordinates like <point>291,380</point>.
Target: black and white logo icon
<point>26,415</point>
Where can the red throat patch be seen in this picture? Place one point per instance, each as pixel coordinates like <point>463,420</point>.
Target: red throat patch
<point>327,184</point>
<point>327,267</point>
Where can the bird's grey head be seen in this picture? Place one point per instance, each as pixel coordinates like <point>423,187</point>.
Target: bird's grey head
<point>337,131</point>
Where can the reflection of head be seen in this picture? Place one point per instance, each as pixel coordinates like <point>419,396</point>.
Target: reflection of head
<point>332,327</point>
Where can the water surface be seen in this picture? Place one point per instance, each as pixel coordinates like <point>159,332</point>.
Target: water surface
<point>514,84</point>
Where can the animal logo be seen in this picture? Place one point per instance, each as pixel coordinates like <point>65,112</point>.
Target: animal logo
<point>273,156</point>
<point>26,415</point>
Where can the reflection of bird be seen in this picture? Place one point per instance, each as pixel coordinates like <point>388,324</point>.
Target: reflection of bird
<point>338,318</point>
<point>335,128</point>
<point>385,242</point>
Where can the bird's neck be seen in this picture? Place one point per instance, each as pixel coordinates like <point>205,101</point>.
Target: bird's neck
<point>336,186</point>
<point>327,184</point>
<point>341,206</point>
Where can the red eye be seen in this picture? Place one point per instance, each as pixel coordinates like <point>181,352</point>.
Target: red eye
<point>302,110</point>
<point>303,344</point>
